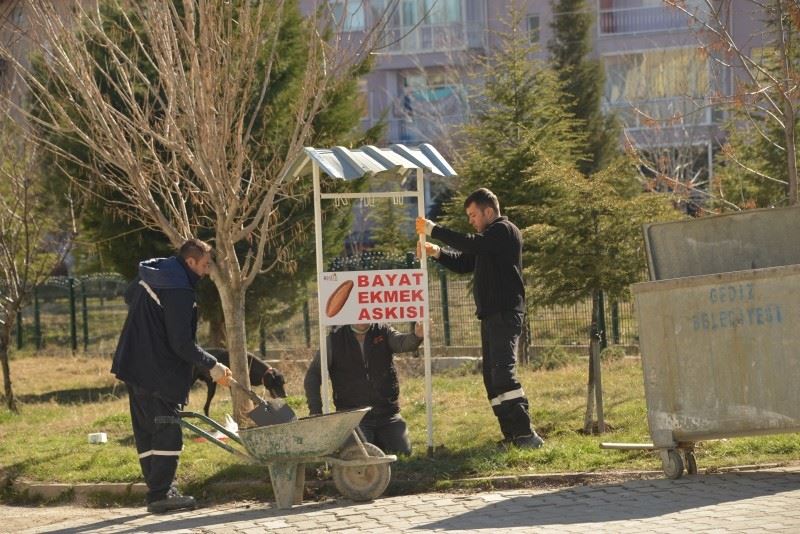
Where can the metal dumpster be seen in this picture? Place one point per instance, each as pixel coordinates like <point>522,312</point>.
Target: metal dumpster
<point>719,330</point>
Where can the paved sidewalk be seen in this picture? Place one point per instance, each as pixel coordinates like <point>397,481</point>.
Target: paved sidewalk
<point>754,501</point>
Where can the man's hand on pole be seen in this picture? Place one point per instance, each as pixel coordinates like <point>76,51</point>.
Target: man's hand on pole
<point>221,374</point>
<point>430,250</point>
<point>424,226</point>
<point>419,330</point>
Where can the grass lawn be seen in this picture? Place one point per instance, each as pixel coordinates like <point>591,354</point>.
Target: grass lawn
<point>64,398</point>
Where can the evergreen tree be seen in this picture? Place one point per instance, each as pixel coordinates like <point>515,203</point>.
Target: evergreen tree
<point>519,120</point>
<point>583,81</point>
<point>588,244</point>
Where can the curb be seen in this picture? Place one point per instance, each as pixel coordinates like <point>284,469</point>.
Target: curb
<point>81,492</point>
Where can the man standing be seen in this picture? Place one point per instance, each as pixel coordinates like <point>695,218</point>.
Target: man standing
<point>494,255</point>
<point>362,371</point>
<point>155,355</point>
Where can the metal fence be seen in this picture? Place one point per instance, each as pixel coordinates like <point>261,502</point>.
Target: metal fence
<point>452,311</point>
<point>87,313</point>
<point>83,313</point>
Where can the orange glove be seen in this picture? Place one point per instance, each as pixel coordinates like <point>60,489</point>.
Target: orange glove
<point>424,226</point>
<point>221,374</point>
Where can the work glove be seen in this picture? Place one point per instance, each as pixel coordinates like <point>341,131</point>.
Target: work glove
<point>419,330</point>
<point>431,250</point>
<point>424,226</point>
<point>221,374</point>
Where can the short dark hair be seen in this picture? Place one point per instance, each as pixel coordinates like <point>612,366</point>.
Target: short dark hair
<point>194,248</point>
<point>483,198</point>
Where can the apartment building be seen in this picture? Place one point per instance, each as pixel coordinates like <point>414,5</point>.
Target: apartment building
<point>661,80</point>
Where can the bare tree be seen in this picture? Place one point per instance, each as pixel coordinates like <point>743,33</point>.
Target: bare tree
<point>178,151</point>
<point>32,237</point>
<point>764,92</point>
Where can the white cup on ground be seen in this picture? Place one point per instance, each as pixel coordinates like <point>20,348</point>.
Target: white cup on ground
<point>98,437</point>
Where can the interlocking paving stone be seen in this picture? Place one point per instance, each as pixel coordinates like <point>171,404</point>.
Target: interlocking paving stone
<point>755,501</point>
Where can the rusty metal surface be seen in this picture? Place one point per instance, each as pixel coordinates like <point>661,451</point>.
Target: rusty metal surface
<point>751,239</point>
<point>303,439</point>
<point>720,354</point>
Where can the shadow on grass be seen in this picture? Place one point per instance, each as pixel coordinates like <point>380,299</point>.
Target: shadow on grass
<point>76,396</point>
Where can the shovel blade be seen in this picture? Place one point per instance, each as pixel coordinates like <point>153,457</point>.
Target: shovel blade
<point>272,413</point>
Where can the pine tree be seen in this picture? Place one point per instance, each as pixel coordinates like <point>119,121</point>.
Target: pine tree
<point>583,81</point>
<point>589,244</point>
<point>519,120</point>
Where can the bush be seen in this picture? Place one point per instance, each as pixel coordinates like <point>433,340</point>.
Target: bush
<point>612,354</point>
<point>553,357</point>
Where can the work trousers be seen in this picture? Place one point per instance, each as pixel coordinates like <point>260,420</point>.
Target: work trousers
<point>500,334</point>
<point>159,444</point>
<point>389,433</point>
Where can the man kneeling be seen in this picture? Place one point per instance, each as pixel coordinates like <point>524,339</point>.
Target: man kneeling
<point>362,371</point>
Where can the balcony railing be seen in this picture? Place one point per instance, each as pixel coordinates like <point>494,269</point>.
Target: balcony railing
<point>641,19</point>
<point>423,129</point>
<point>450,37</point>
<point>664,112</point>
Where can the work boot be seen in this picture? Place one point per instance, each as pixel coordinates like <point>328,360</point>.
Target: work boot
<point>173,501</point>
<point>531,441</point>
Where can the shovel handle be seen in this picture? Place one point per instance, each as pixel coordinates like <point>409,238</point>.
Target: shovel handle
<point>251,394</point>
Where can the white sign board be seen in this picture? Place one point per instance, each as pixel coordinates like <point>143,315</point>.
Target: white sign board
<point>391,296</point>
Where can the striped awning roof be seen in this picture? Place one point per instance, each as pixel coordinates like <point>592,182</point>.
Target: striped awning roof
<point>347,164</point>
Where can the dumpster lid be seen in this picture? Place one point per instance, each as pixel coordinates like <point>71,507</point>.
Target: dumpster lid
<point>752,239</point>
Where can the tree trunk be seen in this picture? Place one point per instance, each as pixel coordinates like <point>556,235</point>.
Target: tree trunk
<point>789,112</point>
<point>594,395</point>
<point>216,331</point>
<point>232,300</point>
<point>588,416</point>
<point>8,391</point>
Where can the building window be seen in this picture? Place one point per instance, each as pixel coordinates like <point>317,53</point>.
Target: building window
<point>533,28</point>
<point>349,15</point>
<point>431,25</point>
<point>442,11</point>
<point>659,85</point>
<point>428,106</point>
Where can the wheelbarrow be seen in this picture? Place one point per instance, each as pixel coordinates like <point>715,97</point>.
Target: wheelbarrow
<point>361,471</point>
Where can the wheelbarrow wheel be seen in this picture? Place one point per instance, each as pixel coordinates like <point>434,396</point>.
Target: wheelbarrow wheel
<point>365,482</point>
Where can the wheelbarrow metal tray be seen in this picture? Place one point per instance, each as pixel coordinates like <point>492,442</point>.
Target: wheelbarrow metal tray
<point>305,438</point>
<point>720,354</point>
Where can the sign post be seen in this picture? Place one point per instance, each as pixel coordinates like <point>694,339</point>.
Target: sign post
<point>397,295</point>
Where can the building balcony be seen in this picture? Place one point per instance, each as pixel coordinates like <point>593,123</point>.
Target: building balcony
<point>664,113</point>
<point>629,20</point>
<point>422,129</point>
<point>449,37</point>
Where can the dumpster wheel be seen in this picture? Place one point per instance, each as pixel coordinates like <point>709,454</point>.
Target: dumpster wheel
<point>365,482</point>
<point>691,462</point>
<point>672,464</point>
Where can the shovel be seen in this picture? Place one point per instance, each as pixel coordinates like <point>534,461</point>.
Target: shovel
<point>271,412</point>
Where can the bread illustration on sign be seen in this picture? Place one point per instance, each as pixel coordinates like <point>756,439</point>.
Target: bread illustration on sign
<point>338,298</point>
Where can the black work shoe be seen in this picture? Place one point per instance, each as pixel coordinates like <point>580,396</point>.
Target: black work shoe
<point>173,501</point>
<point>531,441</point>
